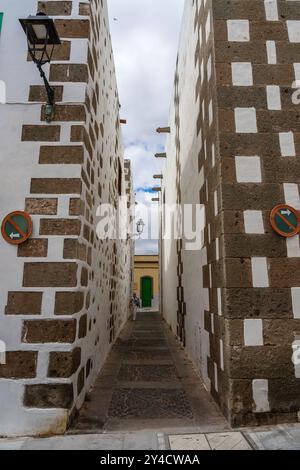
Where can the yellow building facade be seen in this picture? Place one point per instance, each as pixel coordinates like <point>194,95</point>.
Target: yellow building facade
<point>146,280</point>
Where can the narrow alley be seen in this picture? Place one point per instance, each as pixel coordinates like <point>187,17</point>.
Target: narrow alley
<point>148,383</point>
<point>150,166</point>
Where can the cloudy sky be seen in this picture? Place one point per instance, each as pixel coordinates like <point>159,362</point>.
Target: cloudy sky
<point>145,35</point>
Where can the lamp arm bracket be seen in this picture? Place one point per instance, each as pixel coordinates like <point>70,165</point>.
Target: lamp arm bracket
<point>49,89</point>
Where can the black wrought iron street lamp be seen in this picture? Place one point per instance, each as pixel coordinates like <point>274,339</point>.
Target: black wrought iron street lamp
<point>42,37</point>
<point>140,227</point>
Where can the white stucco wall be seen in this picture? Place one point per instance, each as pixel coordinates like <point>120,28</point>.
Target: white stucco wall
<point>19,164</point>
<point>169,254</point>
<point>195,296</point>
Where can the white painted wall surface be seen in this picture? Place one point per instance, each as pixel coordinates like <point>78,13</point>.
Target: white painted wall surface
<point>169,270</point>
<point>19,163</point>
<point>196,298</point>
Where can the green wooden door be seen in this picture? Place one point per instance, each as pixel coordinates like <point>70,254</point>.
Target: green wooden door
<point>147,290</point>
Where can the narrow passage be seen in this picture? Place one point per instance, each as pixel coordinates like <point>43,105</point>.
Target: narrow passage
<point>148,383</point>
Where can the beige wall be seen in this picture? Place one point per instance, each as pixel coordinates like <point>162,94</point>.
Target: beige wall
<point>147,266</point>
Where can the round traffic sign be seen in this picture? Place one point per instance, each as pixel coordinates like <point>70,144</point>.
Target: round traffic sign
<point>16,227</point>
<point>285,220</point>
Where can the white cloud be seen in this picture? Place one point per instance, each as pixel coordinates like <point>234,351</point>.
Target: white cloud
<point>145,41</point>
<point>144,164</point>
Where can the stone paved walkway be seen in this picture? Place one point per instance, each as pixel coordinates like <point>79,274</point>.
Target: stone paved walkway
<point>148,383</point>
<point>282,437</point>
<point>148,397</point>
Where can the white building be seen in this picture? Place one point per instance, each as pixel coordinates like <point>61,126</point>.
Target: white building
<point>64,293</point>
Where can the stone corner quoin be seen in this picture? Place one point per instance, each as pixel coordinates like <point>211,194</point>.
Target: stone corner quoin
<point>236,304</point>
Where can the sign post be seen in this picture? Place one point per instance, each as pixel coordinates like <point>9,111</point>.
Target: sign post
<point>16,227</point>
<point>285,221</point>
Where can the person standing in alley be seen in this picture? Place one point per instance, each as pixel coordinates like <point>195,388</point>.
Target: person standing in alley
<point>135,303</point>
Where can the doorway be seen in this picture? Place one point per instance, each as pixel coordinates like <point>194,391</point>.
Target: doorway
<point>147,291</point>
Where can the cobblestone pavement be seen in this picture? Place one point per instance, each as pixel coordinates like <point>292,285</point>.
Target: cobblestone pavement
<point>148,397</point>
<point>148,383</point>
